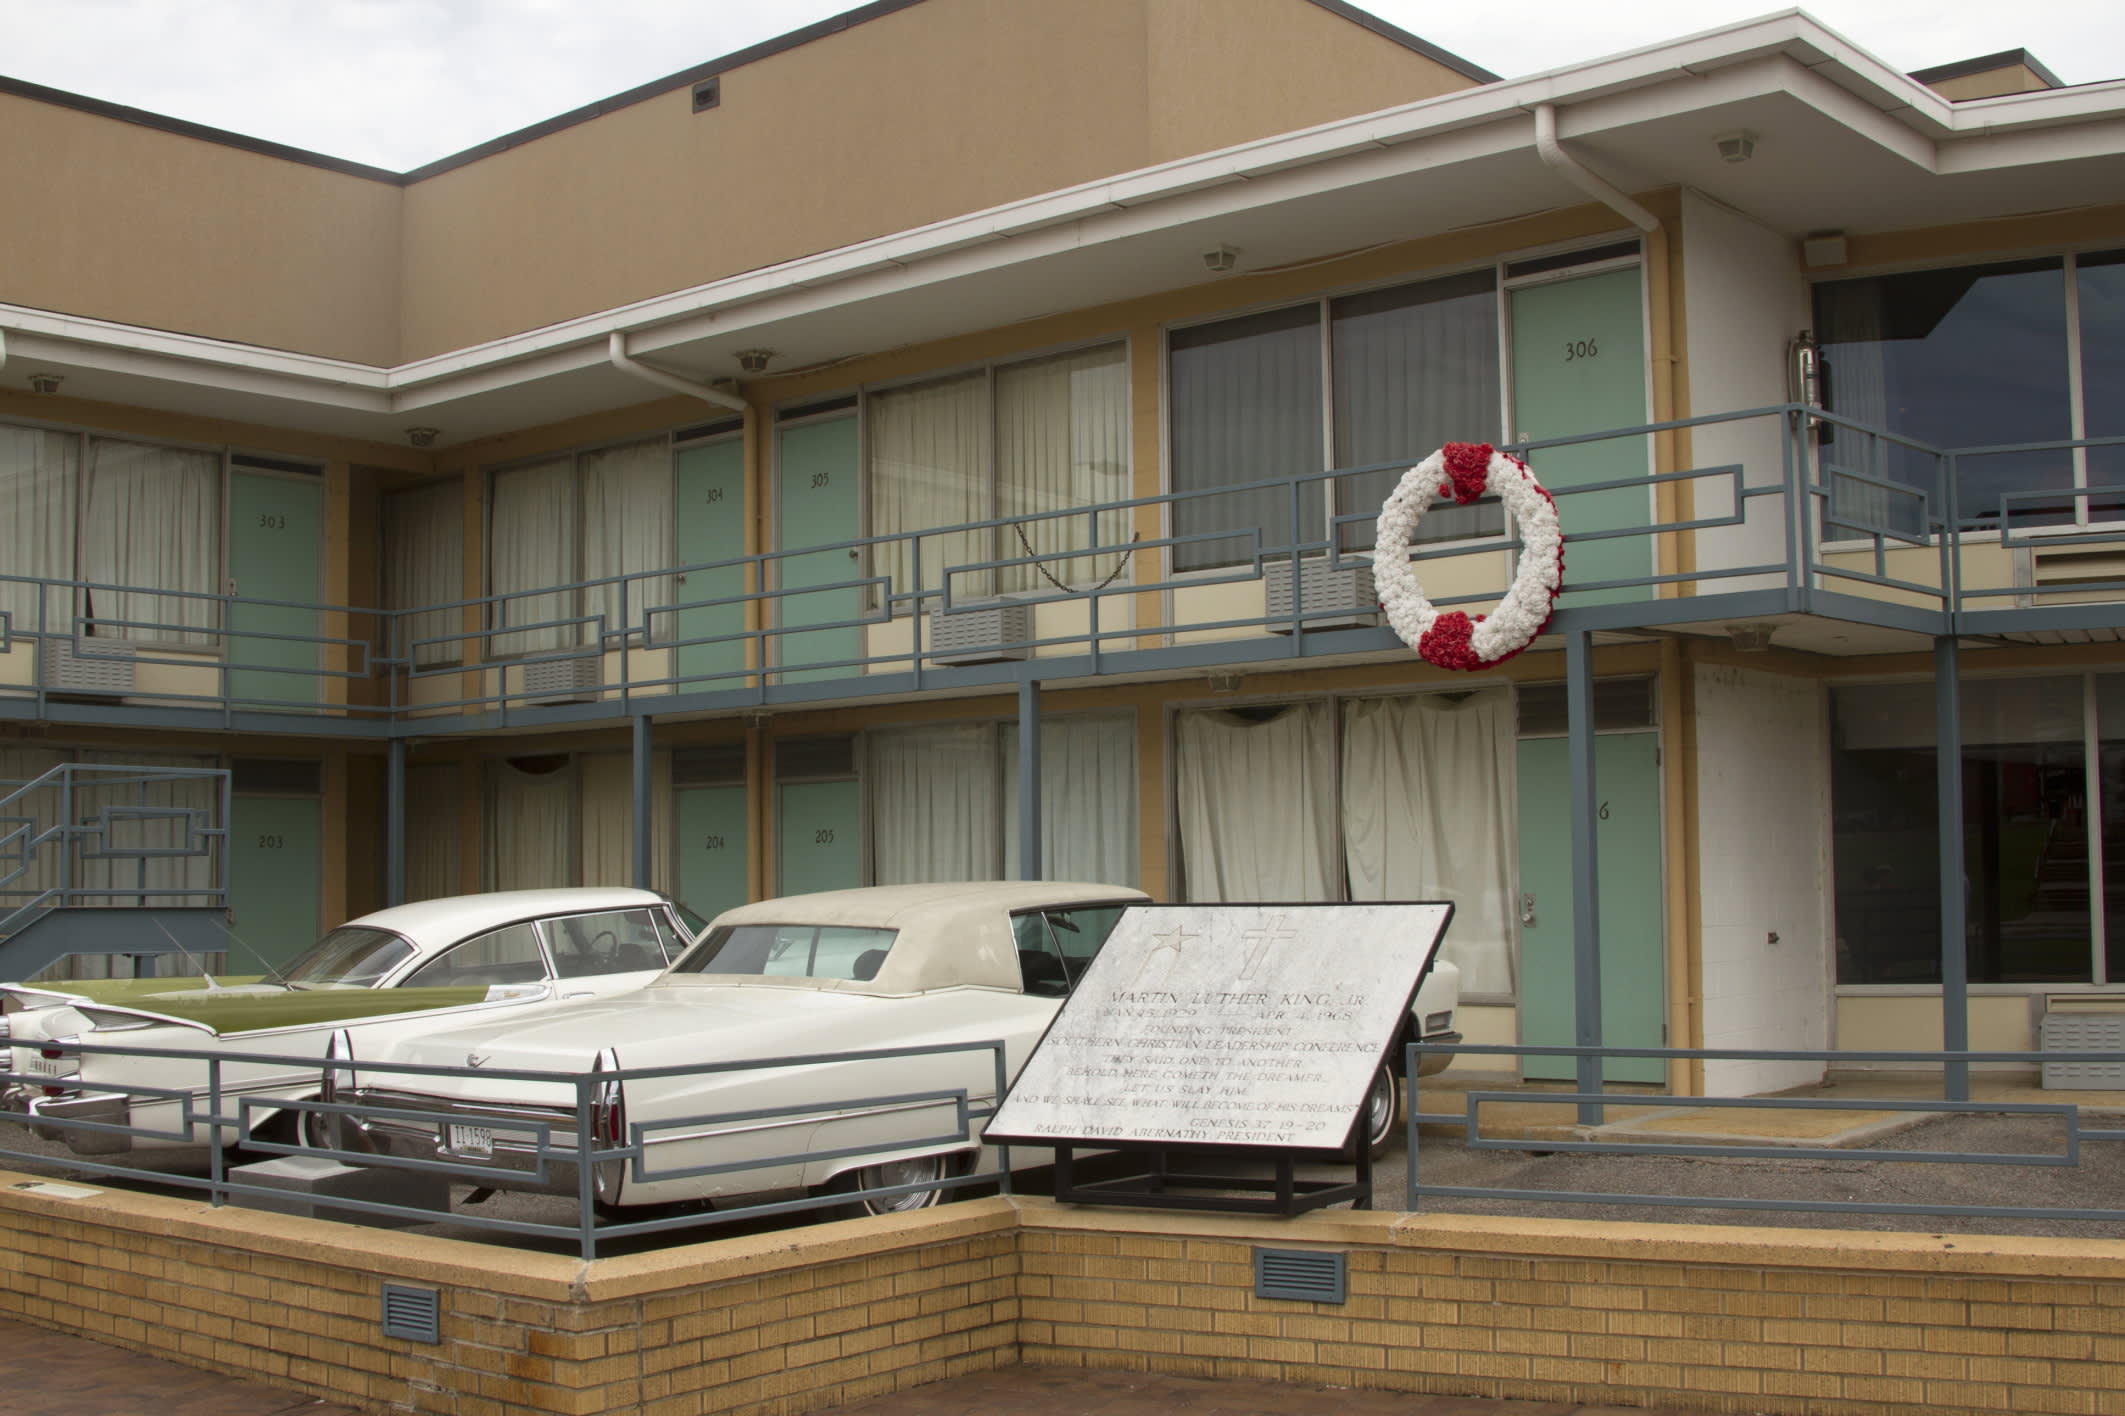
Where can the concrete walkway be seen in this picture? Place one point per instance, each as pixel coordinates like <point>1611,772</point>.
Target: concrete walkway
<point>45,1373</point>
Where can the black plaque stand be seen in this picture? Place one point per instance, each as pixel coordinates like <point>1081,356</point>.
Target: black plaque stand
<point>1163,1185</point>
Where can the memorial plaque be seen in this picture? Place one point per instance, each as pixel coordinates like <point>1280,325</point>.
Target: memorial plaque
<point>1225,1025</point>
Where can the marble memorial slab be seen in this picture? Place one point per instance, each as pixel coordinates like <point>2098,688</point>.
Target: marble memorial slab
<point>1257,1025</point>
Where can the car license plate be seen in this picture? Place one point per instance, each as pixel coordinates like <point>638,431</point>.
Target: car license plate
<point>472,1142</point>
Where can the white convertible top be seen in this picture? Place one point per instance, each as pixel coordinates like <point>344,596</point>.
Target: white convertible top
<point>951,933</point>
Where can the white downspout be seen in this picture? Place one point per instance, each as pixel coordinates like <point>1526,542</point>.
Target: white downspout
<point>616,351</point>
<point>1568,167</point>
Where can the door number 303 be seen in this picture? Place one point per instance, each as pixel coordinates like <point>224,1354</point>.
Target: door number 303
<point>1580,349</point>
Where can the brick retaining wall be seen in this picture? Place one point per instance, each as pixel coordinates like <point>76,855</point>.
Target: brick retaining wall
<point>1715,1318</point>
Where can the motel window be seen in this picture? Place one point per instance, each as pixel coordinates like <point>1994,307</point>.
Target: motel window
<point>586,516</point>
<point>944,800</point>
<point>1013,442</point>
<point>1975,356</point>
<point>568,819</point>
<point>2031,906</point>
<point>141,522</point>
<point>1267,397</point>
<point>424,557</point>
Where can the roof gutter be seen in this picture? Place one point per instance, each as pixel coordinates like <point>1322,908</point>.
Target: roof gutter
<point>1557,160</point>
<point>616,352</point>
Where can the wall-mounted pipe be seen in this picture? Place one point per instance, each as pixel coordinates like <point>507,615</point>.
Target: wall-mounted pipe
<point>1569,168</point>
<point>616,350</point>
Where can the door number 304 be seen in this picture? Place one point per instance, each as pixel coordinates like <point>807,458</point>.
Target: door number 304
<point>1580,349</point>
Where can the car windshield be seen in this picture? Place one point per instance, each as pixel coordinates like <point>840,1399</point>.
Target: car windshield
<point>349,957</point>
<point>791,951</point>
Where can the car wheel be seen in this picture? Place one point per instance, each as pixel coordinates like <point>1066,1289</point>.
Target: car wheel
<point>914,1171</point>
<point>1382,1112</point>
<point>305,1129</point>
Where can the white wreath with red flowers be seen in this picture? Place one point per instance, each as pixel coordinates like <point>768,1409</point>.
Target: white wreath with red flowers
<point>1466,471</point>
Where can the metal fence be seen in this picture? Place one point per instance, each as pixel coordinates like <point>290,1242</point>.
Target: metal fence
<point>234,1108</point>
<point>1591,1105</point>
<point>1784,508</point>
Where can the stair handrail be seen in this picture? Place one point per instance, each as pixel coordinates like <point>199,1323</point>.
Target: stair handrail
<point>23,849</point>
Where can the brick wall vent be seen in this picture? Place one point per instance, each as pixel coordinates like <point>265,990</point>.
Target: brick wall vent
<point>412,1313</point>
<point>1301,1275</point>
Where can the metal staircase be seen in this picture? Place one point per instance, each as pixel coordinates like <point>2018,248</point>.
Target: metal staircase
<point>113,870</point>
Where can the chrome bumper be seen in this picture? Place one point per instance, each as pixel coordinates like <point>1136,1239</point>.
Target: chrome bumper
<point>1433,1063</point>
<point>512,1155</point>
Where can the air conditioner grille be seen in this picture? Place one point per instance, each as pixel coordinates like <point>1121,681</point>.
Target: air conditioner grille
<point>988,632</point>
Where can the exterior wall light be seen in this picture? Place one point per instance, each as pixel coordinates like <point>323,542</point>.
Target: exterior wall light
<point>754,361</point>
<point>1751,638</point>
<point>45,383</point>
<point>1221,258</point>
<point>423,437</point>
<point>1737,146</point>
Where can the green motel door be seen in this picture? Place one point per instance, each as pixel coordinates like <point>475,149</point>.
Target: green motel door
<point>276,552</point>
<point>709,496</point>
<point>276,855</point>
<point>1628,870</point>
<point>1578,366</point>
<point>816,504</point>
<point>713,841</point>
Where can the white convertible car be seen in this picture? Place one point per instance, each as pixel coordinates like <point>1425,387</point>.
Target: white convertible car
<point>753,1067</point>
<point>397,969</point>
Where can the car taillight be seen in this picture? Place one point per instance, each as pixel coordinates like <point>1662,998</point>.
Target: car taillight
<point>53,1054</point>
<point>608,1124</point>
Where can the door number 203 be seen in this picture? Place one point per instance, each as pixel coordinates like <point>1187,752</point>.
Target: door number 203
<point>1580,349</point>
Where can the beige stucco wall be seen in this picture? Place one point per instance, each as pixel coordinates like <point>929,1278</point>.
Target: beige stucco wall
<point>123,222</point>
<point>946,107</point>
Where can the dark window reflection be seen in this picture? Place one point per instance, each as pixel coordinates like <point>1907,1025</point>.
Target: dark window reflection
<point>2101,279</point>
<point>2025,835</point>
<point>1969,357</point>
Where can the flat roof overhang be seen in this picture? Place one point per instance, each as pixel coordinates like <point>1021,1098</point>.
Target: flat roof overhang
<point>1842,142</point>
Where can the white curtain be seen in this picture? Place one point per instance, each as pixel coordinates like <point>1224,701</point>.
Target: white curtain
<point>608,834</point>
<point>1087,799</point>
<point>929,460</point>
<point>37,471</point>
<point>424,564</point>
<point>1256,796</point>
<point>154,875</point>
<point>1062,440</point>
<point>627,528</point>
<point>1431,788</point>
<point>152,518</point>
<point>434,826</point>
<point>933,804</point>
<point>532,543</point>
<point>531,824</point>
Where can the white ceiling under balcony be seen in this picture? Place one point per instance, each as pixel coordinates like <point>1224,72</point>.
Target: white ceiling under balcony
<point>1840,142</point>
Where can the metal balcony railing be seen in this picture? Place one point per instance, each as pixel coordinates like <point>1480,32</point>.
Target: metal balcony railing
<point>1777,510</point>
<point>86,833</point>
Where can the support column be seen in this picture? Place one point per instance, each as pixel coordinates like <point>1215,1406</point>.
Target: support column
<point>1586,884</point>
<point>642,800</point>
<point>395,823</point>
<point>1029,857</point>
<point>1955,894</point>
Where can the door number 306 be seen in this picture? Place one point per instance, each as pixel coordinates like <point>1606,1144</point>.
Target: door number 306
<point>1580,349</point>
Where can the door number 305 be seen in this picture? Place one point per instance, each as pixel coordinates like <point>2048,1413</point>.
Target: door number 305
<point>1580,349</point>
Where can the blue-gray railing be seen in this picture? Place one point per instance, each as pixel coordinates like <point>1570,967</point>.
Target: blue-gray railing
<point>1780,509</point>
<point>1468,1122</point>
<point>206,1110</point>
<point>69,835</point>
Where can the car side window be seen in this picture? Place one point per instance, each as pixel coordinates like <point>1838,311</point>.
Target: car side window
<point>1041,970</point>
<point>609,942</point>
<point>507,955</point>
<point>792,951</point>
<point>1079,932</point>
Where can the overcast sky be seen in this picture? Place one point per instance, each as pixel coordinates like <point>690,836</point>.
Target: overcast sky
<point>396,83</point>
